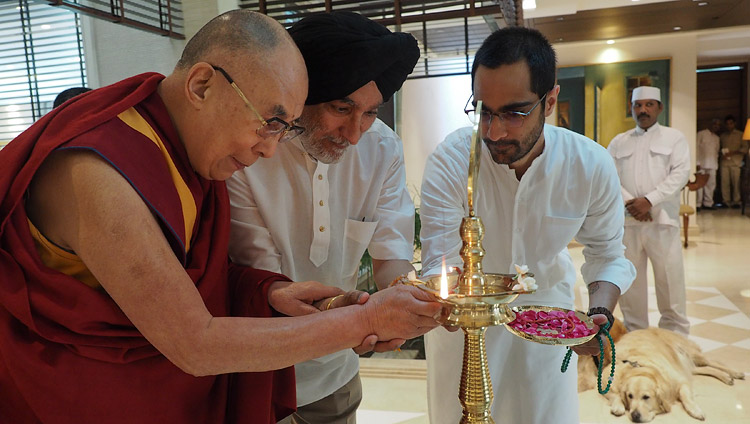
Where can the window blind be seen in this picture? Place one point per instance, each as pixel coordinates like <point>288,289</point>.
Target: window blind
<point>42,55</point>
<point>448,31</point>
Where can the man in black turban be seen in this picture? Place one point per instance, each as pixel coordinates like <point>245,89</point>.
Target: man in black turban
<point>337,189</point>
<point>344,51</point>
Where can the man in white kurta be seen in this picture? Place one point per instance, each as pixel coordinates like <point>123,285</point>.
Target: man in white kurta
<point>707,162</point>
<point>339,188</point>
<point>313,221</point>
<point>539,187</point>
<point>653,162</point>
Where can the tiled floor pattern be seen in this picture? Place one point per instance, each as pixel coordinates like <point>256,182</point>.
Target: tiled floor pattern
<point>716,324</point>
<point>717,270</point>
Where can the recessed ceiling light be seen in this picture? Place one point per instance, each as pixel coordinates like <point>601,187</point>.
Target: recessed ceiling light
<point>559,18</point>
<point>703,3</point>
<point>610,41</point>
<point>677,28</point>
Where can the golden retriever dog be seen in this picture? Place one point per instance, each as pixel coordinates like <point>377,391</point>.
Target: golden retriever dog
<point>655,369</point>
<point>587,370</point>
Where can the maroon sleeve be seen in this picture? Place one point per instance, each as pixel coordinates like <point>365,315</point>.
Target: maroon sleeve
<point>249,288</point>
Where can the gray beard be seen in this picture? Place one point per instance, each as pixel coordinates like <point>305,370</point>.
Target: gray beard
<point>322,148</point>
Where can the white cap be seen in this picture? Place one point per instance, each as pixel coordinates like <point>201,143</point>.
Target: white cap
<point>646,92</point>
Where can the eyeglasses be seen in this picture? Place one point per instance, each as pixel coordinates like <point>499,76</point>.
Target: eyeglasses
<point>513,119</point>
<point>271,127</point>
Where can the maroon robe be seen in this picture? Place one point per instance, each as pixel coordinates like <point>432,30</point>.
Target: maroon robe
<point>68,354</point>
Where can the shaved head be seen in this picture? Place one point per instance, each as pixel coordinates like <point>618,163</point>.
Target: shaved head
<point>237,32</point>
<point>237,72</point>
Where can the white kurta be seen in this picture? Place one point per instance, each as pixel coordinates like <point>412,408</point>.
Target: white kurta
<point>570,191</point>
<point>313,221</point>
<point>654,164</point>
<point>707,149</point>
<point>707,157</point>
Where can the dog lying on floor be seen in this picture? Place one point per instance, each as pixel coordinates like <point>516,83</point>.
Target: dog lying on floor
<point>587,368</point>
<point>655,369</point>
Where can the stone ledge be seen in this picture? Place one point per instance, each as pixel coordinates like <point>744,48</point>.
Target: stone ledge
<point>413,369</point>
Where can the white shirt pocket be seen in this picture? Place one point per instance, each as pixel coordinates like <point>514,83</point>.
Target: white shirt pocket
<point>624,150</point>
<point>357,235</point>
<point>659,158</point>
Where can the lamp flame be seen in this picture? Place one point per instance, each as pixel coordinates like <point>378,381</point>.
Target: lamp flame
<point>444,282</point>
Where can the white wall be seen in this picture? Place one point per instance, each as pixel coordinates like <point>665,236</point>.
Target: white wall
<point>431,108</point>
<point>114,52</point>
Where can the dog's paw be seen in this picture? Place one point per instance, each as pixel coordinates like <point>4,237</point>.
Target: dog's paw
<point>737,375</point>
<point>696,413</point>
<point>617,410</point>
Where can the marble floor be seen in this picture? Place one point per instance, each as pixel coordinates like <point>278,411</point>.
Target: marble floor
<point>717,271</point>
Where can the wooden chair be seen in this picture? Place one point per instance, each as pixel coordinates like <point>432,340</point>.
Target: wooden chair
<point>685,209</point>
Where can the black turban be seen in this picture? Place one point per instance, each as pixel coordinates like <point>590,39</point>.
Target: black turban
<point>344,51</point>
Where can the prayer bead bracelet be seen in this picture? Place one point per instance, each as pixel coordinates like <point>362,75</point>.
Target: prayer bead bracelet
<point>569,353</point>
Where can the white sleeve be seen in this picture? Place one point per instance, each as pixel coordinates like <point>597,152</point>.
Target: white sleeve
<point>394,235</point>
<point>602,231</point>
<point>442,209</point>
<point>250,241</point>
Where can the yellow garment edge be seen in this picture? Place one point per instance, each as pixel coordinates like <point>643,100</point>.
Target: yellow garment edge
<point>61,260</point>
<point>189,210</point>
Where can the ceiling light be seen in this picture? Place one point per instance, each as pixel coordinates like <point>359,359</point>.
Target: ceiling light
<point>610,41</point>
<point>677,28</point>
<point>610,55</point>
<point>529,4</point>
<point>703,3</point>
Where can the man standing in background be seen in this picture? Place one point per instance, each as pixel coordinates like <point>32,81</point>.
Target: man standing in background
<point>653,162</point>
<point>733,149</point>
<point>707,162</point>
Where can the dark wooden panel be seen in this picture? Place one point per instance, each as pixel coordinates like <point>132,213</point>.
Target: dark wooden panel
<point>719,94</point>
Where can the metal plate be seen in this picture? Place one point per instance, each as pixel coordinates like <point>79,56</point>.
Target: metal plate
<point>498,290</point>
<point>552,340</point>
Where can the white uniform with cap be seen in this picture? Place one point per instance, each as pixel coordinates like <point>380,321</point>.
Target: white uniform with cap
<point>654,163</point>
